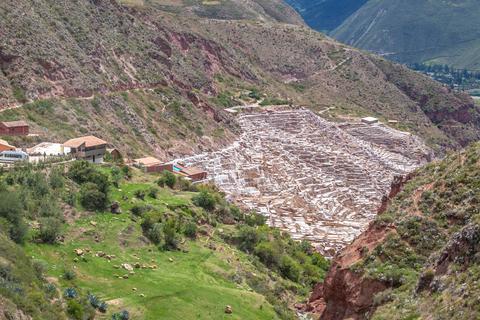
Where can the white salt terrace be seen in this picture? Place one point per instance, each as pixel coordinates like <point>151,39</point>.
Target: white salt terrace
<point>318,180</point>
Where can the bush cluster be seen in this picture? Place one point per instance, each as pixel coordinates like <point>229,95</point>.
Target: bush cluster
<point>295,261</point>
<point>94,184</point>
<point>35,196</point>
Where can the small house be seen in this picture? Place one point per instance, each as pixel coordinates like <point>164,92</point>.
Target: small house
<point>193,173</point>
<point>5,146</point>
<point>369,120</point>
<point>149,164</point>
<point>88,148</point>
<point>114,154</point>
<point>14,128</point>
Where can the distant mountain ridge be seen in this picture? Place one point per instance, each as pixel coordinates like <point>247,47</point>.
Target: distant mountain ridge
<point>408,31</point>
<point>326,15</point>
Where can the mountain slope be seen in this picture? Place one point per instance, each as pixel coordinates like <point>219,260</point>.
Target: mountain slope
<point>170,249</point>
<point>440,32</point>
<point>325,15</point>
<point>260,10</point>
<point>149,70</point>
<point>420,258</point>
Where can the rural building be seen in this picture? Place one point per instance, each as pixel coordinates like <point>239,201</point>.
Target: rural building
<point>114,154</point>
<point>14,128</point>
<point>4,146</point>
<point>149,164</point>
<point>193,173</point>
<point>89,148</point>
<point>369,120</point>
<point>48,149</point>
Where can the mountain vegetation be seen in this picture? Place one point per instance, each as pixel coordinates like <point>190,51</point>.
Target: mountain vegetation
<point>174,250</point>
<point>326,15</point>
<point>162,77</point>
<point>417,31</point>
<point>420,258</point>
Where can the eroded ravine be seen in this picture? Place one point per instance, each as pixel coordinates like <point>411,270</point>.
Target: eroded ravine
<point>319,180</point>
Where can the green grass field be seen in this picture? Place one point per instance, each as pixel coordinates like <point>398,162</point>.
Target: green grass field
<point>185,285</point>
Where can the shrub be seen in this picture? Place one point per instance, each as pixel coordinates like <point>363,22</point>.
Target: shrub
<point>69,275</point>
<point>50,290</point>
<point>18,231</point>
<point>116,176</point>
<point>140,194</point>
<point>170,234</point>
<point>248,238</point>
<point>153,192</point>
<point>190,230</point>
<point>122,315</point>
<point>80,171</point>
<point>155,233</point>
<point>255,219</point>
<point>185,185</point>
<point>138,210</point>
<point>103,307</point>
<point>92,198</point>
<point>127,172</point>
<point>168,179</point>
<point>205,200</point>
<point>50,229</point>
<point>268,253</point>
<point>75,310</point>
<point>289,268</point>
<point>56,180</point>
<point>70,293</point>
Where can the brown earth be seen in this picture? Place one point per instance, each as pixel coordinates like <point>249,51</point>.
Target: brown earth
<point>92,52</point>
<point>346,294</point>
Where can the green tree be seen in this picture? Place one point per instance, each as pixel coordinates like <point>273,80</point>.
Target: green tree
<point>168,179</point>
<point>12,211</point>
<point>205,200</point>
<point>50,229</point>
<point>92,198</point>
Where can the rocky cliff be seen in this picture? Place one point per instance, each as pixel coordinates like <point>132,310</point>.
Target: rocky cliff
<point>420,257</point>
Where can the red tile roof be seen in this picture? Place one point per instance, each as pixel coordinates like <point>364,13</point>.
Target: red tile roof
<point>190,171</point>
<point>5,143</point>
<point>148,161</point>
<point>89,141</point>
<point>12,124</point>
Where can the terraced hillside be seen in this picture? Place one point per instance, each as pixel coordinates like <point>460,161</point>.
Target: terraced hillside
<point>420,258</point>
<point>93,55</point>
<point>321,181</point>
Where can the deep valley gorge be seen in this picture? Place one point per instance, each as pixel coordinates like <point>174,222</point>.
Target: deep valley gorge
<point>222,160</point>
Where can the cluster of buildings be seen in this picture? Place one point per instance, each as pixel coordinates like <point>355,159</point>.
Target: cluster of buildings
<point>151,165</point>
<point>89,148</point>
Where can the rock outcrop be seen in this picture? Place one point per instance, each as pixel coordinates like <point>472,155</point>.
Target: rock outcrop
<point>345,293</point>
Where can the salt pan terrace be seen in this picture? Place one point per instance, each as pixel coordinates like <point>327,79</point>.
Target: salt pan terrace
<point>318,180</point>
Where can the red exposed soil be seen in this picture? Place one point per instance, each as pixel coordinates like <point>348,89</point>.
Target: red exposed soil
<point>346,294</point>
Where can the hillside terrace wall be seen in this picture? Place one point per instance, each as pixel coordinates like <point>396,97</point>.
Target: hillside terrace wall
<point>318,180</point>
